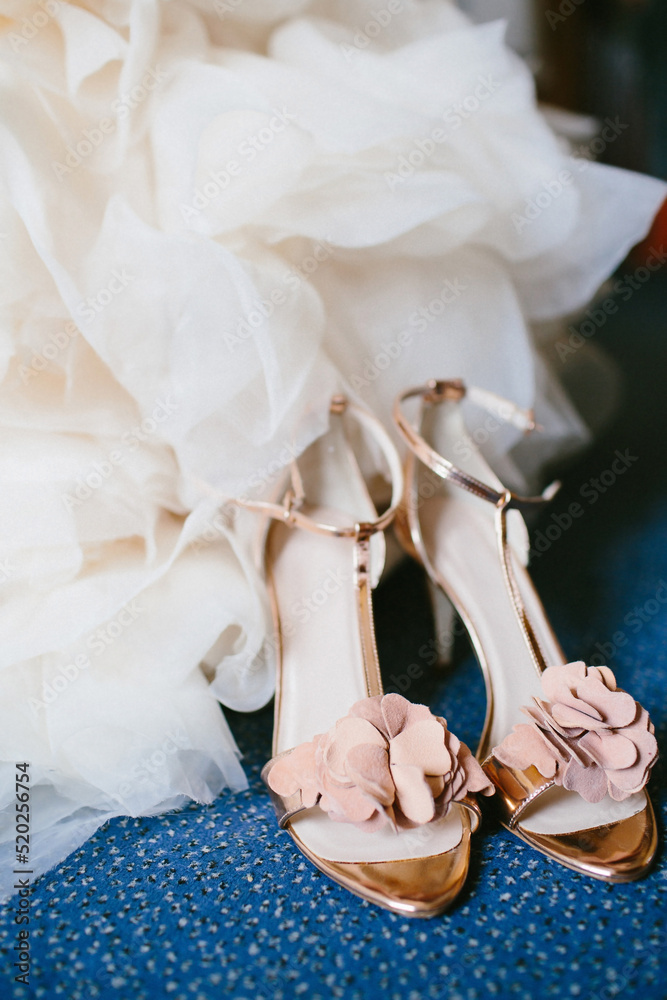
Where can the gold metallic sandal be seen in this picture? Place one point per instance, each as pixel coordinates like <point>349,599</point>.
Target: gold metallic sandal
<point>571,777</point>
<point>374,790</point>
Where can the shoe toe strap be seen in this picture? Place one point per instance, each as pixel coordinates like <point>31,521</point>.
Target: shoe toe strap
<point>288,806</point>
<point>285,806</point>
<point>516,789</point>
<point>472,805</point>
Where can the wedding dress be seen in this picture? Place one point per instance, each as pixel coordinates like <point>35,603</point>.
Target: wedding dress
<point>213,216</point>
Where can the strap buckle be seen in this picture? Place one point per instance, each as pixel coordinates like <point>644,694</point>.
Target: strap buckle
<point>290,510</point>
<point>439,390</point>
<point>291,505</point>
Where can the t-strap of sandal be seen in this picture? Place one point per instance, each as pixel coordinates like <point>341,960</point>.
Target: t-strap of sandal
<point>289,511</point>
<point>586,743</point>
<point>362,532</point>
<point>288,806</point>
<point>437,391</point>
<point>373,789</point>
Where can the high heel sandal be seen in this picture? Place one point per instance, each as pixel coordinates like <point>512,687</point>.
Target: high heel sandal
<point>570,779</point>
<point>374,790</point>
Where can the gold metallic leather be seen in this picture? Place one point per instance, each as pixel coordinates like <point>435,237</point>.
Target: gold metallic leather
<point>423,886</point>
<point>514,788</point>
<point>419,887</point>
<point>616,852</point>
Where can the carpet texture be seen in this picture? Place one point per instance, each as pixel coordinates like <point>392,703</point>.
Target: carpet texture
<point>215,901</point>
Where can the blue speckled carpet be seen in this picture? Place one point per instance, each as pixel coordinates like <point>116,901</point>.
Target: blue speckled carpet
<point>215,901</point>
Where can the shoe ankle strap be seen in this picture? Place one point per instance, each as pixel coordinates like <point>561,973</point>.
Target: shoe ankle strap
<point>289,511</point>
<point>454,390</point>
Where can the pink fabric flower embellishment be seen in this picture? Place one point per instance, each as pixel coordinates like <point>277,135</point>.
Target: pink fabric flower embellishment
<point>590,736</point>
<point>388,761</point>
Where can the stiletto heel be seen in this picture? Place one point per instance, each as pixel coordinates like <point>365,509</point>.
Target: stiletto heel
<point>375,791</point>
<point>571,779</point>
<point>444,618</point>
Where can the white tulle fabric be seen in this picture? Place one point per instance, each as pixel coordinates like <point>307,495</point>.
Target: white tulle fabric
<point>208,226</point>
